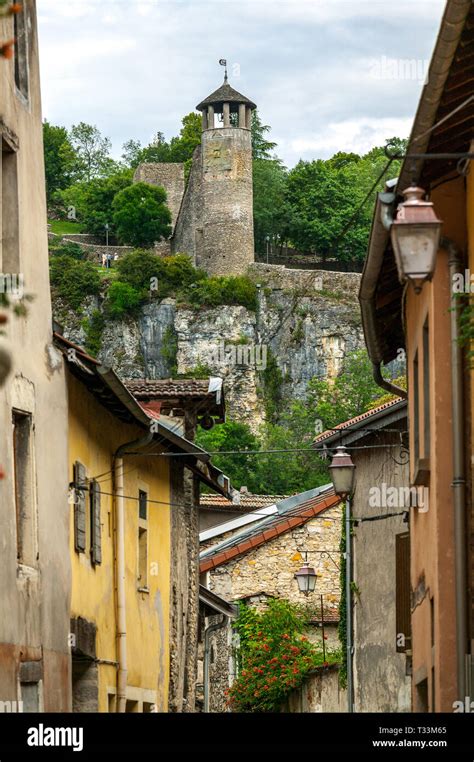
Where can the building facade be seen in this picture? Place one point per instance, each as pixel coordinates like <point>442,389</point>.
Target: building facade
<point>426,325</point>
<point>134,620</point>
<point>380,555</point>
<point>35,578</point>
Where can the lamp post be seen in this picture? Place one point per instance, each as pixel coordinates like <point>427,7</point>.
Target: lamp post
<point>306,577</point>
<point>415,238</point>
<point>343,476</point>
<point>267,239</point>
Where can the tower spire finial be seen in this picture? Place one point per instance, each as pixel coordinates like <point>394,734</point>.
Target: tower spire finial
<point>223,62</point>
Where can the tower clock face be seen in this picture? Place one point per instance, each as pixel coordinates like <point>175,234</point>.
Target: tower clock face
<point>217,157</point>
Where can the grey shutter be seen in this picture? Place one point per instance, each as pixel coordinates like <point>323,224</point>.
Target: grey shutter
<point>96,548</point>
<point>79,508</point>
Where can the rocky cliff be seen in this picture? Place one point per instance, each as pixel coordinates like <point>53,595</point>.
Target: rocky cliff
<point>306,322</point>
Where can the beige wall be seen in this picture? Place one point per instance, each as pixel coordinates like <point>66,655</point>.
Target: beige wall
<point>432,532</point>
<point>34,601</point>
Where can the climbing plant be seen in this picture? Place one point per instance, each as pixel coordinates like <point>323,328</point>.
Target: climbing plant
<point>274,656</point>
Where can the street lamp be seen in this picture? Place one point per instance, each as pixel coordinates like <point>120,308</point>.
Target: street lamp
<point>415,238</point>
<point>342,472</point>
<point>306,578</point>
<point>343,476</point>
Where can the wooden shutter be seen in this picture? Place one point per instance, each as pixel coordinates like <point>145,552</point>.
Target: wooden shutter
<point>96,547</point>
<point>403,605</point>
<point>79,507</point>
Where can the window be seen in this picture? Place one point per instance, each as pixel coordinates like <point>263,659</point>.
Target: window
<point>21,53</point>
<point>142,539</point>
<point>426,390</point>
<point>79,507</point>
<point>24,485</point>
<point>96,549</point>
<point>9,208</point>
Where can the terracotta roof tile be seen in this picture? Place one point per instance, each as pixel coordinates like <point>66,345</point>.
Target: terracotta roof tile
<point>363,417</point>
<point>247,503</point>
<point>168,387</point>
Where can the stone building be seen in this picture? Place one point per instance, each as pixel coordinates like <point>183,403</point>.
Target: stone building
<point>213,218</point>
<point>35,578</point>
<point>256,557</point>
<point>381,558</point>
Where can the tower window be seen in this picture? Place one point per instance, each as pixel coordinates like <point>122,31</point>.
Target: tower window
<point>9,209</point>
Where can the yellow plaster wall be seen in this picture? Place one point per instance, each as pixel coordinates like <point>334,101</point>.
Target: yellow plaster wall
<point>94,435</point>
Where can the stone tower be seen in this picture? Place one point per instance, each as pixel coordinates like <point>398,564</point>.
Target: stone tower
<point>215,222</point>
<point>227,245</point>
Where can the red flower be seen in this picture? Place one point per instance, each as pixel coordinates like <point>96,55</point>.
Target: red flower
<point>295,649</point>
<point>6,50</point>
<point>16,8</point>
<point>285,636</point>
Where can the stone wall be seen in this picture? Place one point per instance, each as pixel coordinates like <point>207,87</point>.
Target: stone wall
<point>319,693</point>
<point>169,176</point>
<point>381,683</point>
<point>184,573</point>
<point>187,236</point>
<point>271,567</point>
<point>227,197</point>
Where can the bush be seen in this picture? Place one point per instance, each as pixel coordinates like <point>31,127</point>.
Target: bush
<point>93,328</point>
<point>73,280</point>
<point>212,292</point>
<point>122,300</point>
<point>67,249</point>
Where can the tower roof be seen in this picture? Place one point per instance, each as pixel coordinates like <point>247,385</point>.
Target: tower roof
<point>224,94</point>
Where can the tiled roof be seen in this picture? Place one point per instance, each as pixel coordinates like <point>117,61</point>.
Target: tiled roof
<point>268,529</point>
<point>358,419</point>
<point>247,501</point>
<point>168,387</point>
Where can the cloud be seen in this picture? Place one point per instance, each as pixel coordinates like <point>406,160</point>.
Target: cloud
<point>134,67</point>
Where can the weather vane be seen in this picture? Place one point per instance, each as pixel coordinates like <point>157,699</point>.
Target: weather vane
<point>223,62</point>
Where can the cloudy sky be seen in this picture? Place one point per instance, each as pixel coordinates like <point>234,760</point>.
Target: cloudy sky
<point>327,75</point>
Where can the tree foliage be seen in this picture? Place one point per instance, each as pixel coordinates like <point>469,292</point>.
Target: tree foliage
<point>60,159</point>
<point>140,215</point>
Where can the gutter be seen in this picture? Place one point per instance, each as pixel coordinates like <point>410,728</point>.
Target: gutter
<point>121,630</point>
<point>456,265</point>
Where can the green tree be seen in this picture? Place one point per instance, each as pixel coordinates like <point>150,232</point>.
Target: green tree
<point>231,436</point>
<point>59,159</point>
<point>270,210</point>
<point>93,201</point>
<point>131,153</point>
<point>261,146</point>
<point>329,202</point>
<point>92,150</point>
<point>141,216</point>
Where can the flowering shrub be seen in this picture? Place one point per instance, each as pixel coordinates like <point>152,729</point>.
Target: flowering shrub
<point>274,656</point>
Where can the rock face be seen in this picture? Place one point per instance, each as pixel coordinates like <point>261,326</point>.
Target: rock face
<point>306,323</point>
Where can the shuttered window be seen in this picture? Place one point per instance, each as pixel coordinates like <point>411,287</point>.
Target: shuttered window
<point>79,507</point>
<point>403,606</point>
<point>96,548</point>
